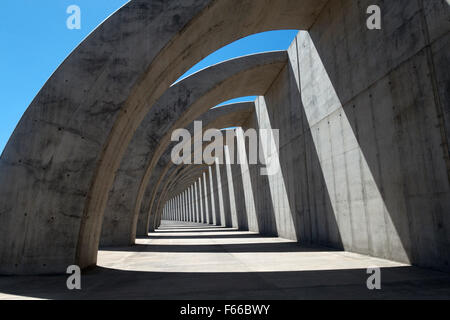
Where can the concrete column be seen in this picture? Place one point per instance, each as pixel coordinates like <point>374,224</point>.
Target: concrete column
<point>185,206</point>
<point>252,219</point>
<point>220,194</point>
<point>182,206</point>
<point>191,211</point>
<point>205,188</point>
<point>188,209</point>
<point>225,195</point>
<point>191,197</point>
<point>167,212</point>
<point>177,209</point>
<point>211,197</point>
<point>200,201</point>
<point>232,198</point>
<point>190,203</point>
<point>197,217</point>
<point>174,209</point>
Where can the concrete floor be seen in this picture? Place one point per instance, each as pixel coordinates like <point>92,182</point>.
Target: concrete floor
<point>193,261</point>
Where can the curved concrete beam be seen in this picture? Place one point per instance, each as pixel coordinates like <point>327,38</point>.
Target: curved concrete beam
<point>60,163</point>
<point>118,228</point>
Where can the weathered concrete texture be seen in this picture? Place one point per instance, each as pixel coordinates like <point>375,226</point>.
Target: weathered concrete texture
<point>192,262</point>
<point>363,114</point>
<point>354,141</point>
<point>60,163</point>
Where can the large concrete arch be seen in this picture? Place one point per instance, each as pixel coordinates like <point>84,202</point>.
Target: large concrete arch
<point>89,110</point>
<point>60,163</point>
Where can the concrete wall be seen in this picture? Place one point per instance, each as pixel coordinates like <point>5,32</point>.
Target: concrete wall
<point>361,150</point>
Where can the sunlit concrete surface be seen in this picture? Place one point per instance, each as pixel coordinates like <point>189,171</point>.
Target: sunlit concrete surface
<point>195,261</point>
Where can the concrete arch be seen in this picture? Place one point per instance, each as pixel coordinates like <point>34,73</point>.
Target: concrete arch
<point>89,110</point>
<point>118,228</point>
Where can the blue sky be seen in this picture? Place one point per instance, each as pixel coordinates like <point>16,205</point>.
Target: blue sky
<point>34,41</point>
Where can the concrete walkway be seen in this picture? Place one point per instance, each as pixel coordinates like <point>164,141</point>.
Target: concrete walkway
<point>194,261</point>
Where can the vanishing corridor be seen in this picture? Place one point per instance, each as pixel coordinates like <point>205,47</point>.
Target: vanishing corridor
<point>196,261</point>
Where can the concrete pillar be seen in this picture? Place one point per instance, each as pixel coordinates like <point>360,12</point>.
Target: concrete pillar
<point>174,209</point>
<point>197,218</point>
<point>191,206</point>
<point>200,200</point>
<point>232,198</point>
<point>191,199</point>
<point>220,194</point>
<point>252,219</point>
<point>188,205</point>
<point>177,209</point>
<point>211,196</point>
<point>182,206</point>
<point>205,188</point>
<point>225,195</point>
<point>185,206</point>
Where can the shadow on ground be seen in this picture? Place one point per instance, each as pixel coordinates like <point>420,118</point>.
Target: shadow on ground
<point>103,283</point>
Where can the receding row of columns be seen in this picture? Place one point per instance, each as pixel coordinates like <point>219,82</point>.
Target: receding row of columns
<point>202,202</point>
<point>212,198</point>
<point>195,204</point>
